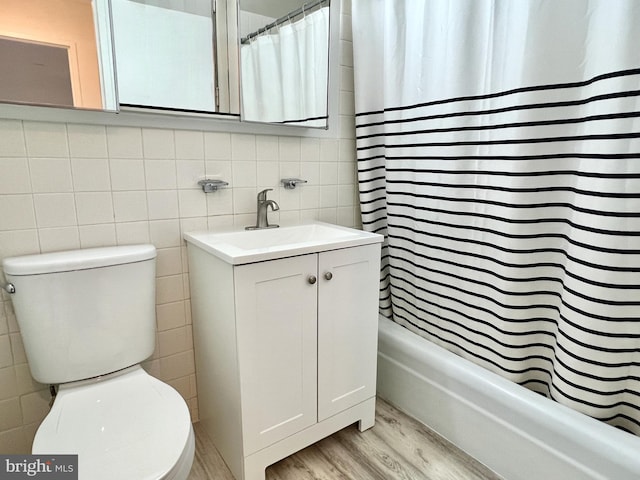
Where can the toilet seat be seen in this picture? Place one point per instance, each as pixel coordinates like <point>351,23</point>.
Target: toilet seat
<point>126,425</point>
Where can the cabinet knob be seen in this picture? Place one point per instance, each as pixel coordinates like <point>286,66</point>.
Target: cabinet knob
<point>312,279</point>
<point>328,276</point>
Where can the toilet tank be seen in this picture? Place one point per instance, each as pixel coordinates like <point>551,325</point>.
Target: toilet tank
<point>84,313</point>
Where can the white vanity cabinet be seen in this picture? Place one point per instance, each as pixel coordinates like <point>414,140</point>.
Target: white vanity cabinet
<point>285,350</point>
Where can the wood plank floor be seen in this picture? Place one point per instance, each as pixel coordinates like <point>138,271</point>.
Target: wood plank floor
<point>397,447</point>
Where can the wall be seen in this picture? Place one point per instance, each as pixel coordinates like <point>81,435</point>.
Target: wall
<point>69,185</point>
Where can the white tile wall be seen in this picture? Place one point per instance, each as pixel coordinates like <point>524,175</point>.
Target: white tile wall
<point>67,186</point>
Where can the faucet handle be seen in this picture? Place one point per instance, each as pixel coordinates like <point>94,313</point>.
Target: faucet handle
<point>263,194</point>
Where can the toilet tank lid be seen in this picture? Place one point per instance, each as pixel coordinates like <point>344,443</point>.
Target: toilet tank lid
<point>82,259</point>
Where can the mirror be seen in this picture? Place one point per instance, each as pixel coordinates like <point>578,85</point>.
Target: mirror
<point>169,55</point>
<point>284,59</point>
<point>57,53</point>
<point>165,54</point>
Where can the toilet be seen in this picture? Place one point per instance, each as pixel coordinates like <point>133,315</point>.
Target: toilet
<point>87,319</point>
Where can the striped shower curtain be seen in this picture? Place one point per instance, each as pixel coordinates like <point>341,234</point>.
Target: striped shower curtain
<point>499,153</point>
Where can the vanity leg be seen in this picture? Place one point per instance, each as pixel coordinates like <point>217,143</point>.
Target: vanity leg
<point>368,420</point>
<point>253,470</point>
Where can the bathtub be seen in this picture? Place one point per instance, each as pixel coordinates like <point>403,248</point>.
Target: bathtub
<point>515,432</point>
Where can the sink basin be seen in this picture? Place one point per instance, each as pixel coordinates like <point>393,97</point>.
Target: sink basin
<point>247,246</point>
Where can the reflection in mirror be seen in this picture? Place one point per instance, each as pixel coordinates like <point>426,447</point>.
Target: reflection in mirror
<point>165,54</point>
<point>56,53</point>
<point>284,57</point>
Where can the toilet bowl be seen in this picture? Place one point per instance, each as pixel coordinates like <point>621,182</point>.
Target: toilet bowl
<point>125,425</point>
<point>87,320</point>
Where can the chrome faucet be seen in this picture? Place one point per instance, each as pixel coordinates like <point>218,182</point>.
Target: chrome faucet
<point>262,221</point>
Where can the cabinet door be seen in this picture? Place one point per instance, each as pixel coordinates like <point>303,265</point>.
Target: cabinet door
<point>347,327</point>
<point>276,311</point>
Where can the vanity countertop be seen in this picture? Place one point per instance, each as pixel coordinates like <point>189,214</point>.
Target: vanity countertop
<point>239,247</point>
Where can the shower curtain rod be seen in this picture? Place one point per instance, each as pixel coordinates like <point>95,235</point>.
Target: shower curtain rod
<point>298,11</point>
